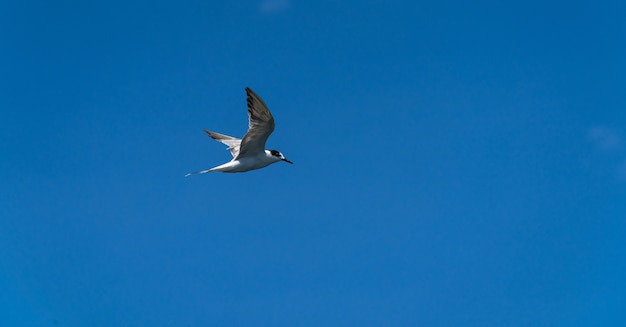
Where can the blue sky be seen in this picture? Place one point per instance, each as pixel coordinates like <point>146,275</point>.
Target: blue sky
<point>456,164</point>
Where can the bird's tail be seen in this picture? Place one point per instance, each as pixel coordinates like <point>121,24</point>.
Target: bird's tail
<point>199,172</point>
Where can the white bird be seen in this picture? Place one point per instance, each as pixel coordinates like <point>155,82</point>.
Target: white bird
<point>249,153</point>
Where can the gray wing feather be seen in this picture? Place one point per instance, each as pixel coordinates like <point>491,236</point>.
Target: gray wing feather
<point>232,142</point>
<point>260,126</point>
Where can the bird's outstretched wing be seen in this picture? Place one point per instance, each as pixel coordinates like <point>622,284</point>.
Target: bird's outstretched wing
<point>260,126</point>
<point>231,142</point>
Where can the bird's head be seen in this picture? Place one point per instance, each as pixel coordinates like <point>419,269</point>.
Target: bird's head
<point>279,156</point>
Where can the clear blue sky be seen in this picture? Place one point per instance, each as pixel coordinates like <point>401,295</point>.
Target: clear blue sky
<point>457,163</point>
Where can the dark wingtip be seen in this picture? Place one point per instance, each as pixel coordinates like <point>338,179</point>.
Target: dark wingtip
<point>210,134</point>
<point>250,99</point>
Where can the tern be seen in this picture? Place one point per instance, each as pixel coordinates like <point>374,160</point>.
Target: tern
<point>249,153</point>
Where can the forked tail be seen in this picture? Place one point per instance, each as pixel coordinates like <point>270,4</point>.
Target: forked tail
<point>199,172</point>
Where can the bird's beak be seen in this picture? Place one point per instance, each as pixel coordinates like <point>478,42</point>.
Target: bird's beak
<point>287,160</point>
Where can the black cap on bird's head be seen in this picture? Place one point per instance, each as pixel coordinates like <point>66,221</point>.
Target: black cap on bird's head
<point>279,155</point>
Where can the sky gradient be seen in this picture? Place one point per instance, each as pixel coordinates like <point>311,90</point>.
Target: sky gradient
<point>455,164</point>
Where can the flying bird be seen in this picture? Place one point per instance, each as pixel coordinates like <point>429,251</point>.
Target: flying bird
<point>249,153</point>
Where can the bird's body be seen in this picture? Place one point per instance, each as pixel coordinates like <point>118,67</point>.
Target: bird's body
<point>243,164</point>
<point>249,153</point>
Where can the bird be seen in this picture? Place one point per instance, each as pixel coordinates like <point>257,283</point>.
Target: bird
<point>249,153</point>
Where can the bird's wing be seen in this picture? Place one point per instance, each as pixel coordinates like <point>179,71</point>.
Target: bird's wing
<point>231,142</point>
<point>260,126</point>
